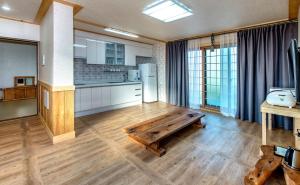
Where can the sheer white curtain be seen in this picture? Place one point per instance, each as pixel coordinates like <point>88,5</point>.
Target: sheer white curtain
<point>228,94</point>
<point>195,73</point>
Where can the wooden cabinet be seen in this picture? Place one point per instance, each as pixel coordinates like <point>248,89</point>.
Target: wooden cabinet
<point>18,93</point>
<point>80,47</point>
<point>30,92</point>
<point>9,94</point>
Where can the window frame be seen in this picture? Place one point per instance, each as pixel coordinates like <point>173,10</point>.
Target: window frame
<point>204,92</point>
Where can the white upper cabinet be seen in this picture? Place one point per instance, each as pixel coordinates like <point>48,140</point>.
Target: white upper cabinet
<point>144,52</point>
<point>107,50</point>
<point>95,52</point>
<point>80,47</point>
<point>91,52</point>
<point>130,55</point>
<point>100,53</point>
<point>131,52</point>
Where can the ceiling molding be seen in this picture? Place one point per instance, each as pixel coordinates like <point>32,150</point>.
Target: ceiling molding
<point>294,9</point>
<point>102,26</point>
<point>15,19</point>
<point>238,29</point>
<point>45,5</point>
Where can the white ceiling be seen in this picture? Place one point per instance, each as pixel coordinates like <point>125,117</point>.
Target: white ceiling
<point>21,9</point>
<point>209,15</point>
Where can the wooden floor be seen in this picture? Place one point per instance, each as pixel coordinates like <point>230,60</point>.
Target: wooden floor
<point>221,153</point>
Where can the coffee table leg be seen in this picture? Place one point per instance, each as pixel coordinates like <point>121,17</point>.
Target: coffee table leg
<point>264,130</point>
<point>199,124</point>
<point>156,149</point>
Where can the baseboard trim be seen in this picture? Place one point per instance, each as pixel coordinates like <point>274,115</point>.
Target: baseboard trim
<point>59,138</point>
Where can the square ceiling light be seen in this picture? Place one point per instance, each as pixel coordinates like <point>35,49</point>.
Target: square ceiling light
<point>167,10</point>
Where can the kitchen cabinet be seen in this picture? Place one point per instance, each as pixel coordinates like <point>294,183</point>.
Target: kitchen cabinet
<point>130,55</point>
<point>105,96</point>
<point>125,94</point>
<point>131,52</point>
<point>85,99</point>
<point>100,52</point>
<point>91,52</point>
<point>95,52</point>
<point>144,52</point>
<point>77,100</point>
<point>115,54</point>
<point>19,93</point>
<point>108,97</point>
<point>80,48</point>
<point>96,97</point>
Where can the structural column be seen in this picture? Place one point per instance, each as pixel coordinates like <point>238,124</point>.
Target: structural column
<point>56,88</point>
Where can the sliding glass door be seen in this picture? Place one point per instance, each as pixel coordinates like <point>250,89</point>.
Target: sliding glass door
<point>210,71</point>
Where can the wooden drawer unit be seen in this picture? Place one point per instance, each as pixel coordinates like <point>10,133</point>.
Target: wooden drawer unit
<point>30,92</point>
<point>9,94</point>
<point>19,93</point>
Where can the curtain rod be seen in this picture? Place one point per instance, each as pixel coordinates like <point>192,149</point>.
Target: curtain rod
<point>240,29</point>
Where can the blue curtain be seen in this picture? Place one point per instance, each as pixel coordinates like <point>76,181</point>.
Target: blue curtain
<point>177,73</point>
<point>262,64</point>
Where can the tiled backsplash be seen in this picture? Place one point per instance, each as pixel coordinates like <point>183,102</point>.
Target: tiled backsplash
<point>84,72</point>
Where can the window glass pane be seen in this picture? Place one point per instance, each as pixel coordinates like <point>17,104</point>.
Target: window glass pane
<point>195,78</point>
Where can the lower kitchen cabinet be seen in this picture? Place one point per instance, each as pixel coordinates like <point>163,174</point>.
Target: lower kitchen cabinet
<point>108,97</point>
<point>85,99</point>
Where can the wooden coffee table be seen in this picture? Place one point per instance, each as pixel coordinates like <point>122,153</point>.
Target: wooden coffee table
<point>150,133</point>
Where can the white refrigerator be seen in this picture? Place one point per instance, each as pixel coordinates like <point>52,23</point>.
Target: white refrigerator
<point>149,79</point>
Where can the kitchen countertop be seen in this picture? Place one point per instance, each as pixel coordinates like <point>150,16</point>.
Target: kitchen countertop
<point>104,84</point>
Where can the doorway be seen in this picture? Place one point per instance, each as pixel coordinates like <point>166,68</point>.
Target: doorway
<point>18,79</point>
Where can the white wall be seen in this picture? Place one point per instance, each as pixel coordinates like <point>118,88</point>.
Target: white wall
<point>159,57</point>
<point>46,48</point>
<point>63,45</point>
<point>19,30</point>
<point>16,60</point>
<point>57,46</point>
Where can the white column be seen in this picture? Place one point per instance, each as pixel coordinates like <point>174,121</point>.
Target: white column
<point>56,56</point>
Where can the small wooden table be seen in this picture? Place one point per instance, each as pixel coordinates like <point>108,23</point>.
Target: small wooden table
<point>268,110</point>
<point>151,132</point>
<point>266,165</point>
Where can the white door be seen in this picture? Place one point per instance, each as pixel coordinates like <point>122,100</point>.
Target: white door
<point>80,47</point>
<point>91,52</point>
<point>85,99</point>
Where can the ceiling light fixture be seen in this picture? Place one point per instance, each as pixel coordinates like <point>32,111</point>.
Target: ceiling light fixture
<point>5,7</point>
<point>79,46</point>
<point>167,10</point>
<point>121,32</point>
